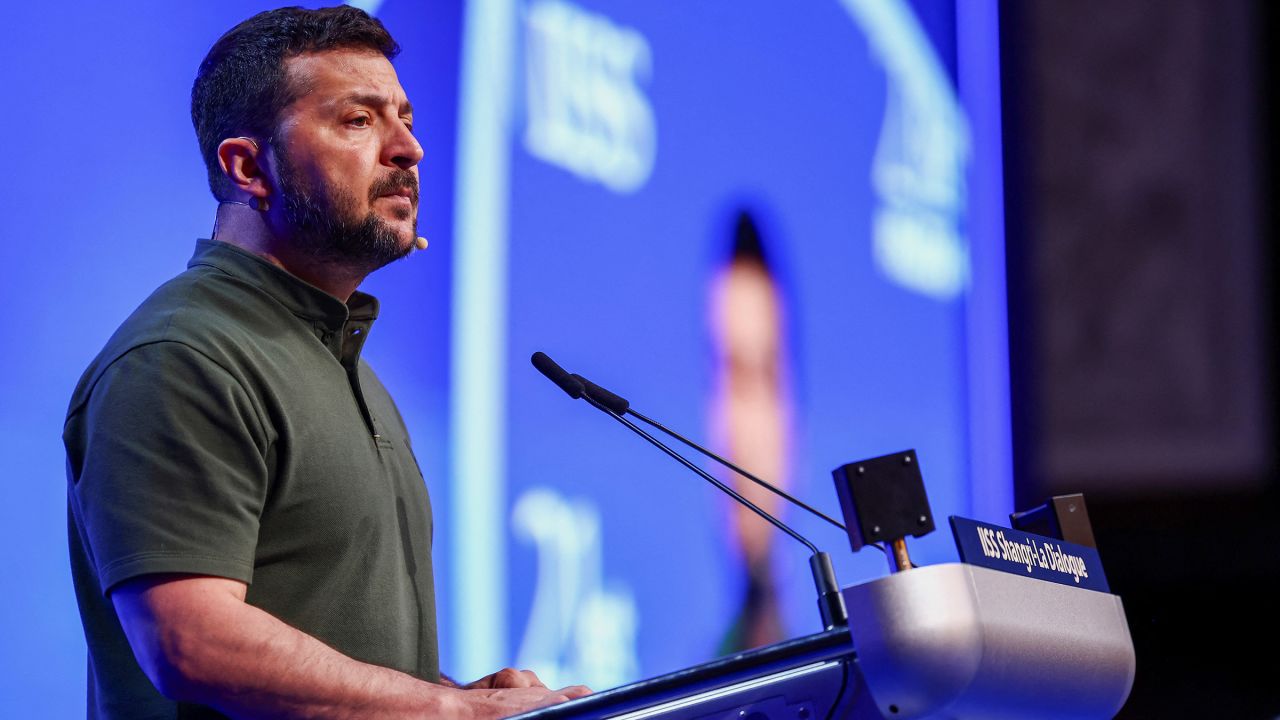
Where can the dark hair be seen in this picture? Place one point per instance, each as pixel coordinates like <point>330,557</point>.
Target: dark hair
<point>242,88</point>
<point>747,246</point>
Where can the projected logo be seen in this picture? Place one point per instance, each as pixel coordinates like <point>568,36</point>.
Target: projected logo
<point>579,631</point>
<point>920,159</point>
<point>586,110</point>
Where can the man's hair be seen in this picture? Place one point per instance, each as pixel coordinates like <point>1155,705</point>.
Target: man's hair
<point>242,87</point>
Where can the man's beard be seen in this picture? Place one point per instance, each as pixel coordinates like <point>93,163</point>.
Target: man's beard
<point>326,225</point>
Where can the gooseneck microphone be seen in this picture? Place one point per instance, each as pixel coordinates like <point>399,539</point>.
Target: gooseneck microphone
<point>556,374</point>
<point>577,386</point>
<point>830,601</point>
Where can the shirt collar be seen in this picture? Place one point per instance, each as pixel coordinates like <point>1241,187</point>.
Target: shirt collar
<point>333,320</point>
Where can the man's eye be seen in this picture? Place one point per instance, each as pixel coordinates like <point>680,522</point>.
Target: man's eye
<point>408,124</point>
<point>361,121</point>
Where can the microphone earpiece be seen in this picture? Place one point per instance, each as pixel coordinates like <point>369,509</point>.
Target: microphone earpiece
<point>420,243</point>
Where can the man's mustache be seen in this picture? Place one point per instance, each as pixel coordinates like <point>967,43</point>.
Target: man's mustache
<point>397,180</point>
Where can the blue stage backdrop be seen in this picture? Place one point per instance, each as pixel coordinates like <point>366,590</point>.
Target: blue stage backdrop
<point>775,228</point>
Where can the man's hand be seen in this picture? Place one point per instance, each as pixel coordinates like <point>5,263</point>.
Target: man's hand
<point>506,678</point>
<point>514,689</point>
<point>504,702</point>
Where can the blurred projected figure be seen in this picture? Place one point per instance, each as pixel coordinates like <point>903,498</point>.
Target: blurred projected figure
<point>750,416</point>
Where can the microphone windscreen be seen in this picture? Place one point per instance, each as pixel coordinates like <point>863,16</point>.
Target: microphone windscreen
<point>557,374</point>
<point>614,403</point>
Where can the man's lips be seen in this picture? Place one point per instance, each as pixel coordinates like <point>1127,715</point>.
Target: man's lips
<point>401,201</point>
<point>406,193</point>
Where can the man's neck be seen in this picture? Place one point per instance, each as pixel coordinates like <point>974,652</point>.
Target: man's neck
<point>240,225</point>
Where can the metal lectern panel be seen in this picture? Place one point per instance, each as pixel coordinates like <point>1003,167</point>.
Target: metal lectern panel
<point>959,641</point>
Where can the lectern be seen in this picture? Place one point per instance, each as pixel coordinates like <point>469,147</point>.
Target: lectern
<point>951,641</point>
<point>1023,629</point>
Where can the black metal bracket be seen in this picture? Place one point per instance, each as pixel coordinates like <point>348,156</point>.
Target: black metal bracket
<point>883,499</point>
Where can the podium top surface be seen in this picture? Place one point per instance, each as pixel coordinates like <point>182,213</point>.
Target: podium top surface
<point>826,645</point>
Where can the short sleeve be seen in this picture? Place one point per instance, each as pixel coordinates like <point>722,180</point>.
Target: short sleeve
<point>172,471</point>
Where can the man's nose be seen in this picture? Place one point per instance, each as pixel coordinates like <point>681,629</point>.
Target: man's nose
<point>403,149</point>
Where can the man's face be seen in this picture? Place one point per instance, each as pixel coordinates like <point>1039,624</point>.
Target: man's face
<point>346,160</point>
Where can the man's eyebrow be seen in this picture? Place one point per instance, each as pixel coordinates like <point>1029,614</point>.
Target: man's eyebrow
<point>375,100</point>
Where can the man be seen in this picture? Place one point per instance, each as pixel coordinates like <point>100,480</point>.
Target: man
<point>249,531</point>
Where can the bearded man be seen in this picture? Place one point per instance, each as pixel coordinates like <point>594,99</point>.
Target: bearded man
<point>250,534</point>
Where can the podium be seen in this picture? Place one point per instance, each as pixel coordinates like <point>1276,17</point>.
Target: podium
<point>1022,630</point>
<point>951,641</point>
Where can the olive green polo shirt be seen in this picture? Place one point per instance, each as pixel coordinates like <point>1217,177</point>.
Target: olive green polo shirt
<point>230,428</point>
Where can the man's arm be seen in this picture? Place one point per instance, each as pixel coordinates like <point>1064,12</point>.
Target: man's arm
<point>200,642</point>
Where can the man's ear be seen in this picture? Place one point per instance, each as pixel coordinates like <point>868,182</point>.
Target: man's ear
<point>241,161</point>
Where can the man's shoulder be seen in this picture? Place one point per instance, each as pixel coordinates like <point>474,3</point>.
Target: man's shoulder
<point>202,310</point>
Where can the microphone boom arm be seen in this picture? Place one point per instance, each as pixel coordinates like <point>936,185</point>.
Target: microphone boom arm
<point>831,605</point>
<point>703,474</point>
<point>762,483</point>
